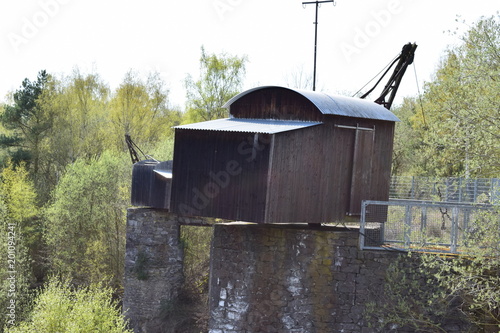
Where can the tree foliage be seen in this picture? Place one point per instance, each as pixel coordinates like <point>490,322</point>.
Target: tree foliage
<point>425,291</point>
<point>220,79</point>
<point>60,308</point>
<point>455,122</point>
<point>19,242</point>
<point>140,109</point>
<point>452,130</point>
<point>26,121</point>
<point>86,222</point>
<point>81,117</point>
<point>67,188</point>
<point>474,278</point>
<point>411,299</point>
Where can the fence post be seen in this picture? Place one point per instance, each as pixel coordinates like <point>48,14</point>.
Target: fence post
<point>407,229</point>
<point>460,189</point>
<point>362,225</point>
<point>465,227</point>
<point>494,190</point>
<point>447,189</point>
<point>423,223</point>
<point>475,190</point>
<point>454,230</point>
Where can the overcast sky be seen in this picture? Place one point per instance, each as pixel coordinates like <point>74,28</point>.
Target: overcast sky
<point>356,38</point>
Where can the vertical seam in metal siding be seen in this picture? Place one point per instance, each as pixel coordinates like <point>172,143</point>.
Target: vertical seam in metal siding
<point>353,173</point>
<point>268,183</point>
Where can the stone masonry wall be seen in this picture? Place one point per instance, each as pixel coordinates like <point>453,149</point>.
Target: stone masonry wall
<point>270,278</point>
<point>153,267</point>
<point>263,278</point>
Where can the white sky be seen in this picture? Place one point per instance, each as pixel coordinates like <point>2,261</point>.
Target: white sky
<point>356,38</point>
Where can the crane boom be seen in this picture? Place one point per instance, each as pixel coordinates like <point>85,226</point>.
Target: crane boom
<point>403,61</point>
<point>131,148</point>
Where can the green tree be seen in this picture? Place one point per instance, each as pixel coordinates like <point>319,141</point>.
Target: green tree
<point>457,117</point>
<point>19,197</point>
<point>61,308</point>
<point>408,140</point>
<point>82,117</point>
<point>221,77</point>
<point>141,110</point>
<point>27,122</point>
<point>86,221</point>
<point>79,118</point>
<point>20,234</point>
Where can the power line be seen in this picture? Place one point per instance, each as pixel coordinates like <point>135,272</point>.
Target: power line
<point>419,95</point>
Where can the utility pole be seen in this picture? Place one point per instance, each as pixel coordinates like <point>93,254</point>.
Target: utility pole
<point>315,34</point>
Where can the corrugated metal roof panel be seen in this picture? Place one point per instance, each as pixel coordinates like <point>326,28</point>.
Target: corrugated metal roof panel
<point>334,105</point>
<point>266,126</point>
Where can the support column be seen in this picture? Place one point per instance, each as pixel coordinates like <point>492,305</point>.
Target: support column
<point>153,267</point>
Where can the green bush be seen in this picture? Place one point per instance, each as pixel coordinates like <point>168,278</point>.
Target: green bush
<point>60,308</point>
<point>86,223</point>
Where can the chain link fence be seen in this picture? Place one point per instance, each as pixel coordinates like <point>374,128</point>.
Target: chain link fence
<point>478,190</point>
<point>420,226</point>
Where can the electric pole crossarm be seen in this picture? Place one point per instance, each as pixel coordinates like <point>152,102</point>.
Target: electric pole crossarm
<point>311,2</point>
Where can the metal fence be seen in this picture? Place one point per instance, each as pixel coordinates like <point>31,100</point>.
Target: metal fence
<point>409,225</point>
<point>478,190</point>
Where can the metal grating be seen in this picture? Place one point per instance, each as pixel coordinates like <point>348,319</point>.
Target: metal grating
<point>419,226</point>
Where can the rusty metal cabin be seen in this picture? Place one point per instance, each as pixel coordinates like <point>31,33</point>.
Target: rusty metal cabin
<point>284,156</point>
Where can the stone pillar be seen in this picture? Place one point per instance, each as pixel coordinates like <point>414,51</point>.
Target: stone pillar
<point>271,278</point>
<point>153,267</point>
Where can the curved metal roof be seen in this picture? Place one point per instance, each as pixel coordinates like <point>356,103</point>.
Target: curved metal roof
<point>333,104</point>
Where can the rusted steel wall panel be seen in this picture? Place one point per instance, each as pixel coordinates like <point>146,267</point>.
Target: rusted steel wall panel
<point>220,174</point>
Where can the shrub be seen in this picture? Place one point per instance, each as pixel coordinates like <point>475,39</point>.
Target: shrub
<point>60,308</point>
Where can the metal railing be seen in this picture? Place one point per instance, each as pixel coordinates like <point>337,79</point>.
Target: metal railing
<point>410,225</point>
<point>477,190</point>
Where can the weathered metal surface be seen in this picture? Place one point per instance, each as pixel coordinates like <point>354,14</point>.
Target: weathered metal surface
<point>281,159</point>
<point>311,175</point>
<point>220,174</point>
<point>326,104</point>
<point>267,126</point>
<point>326,183</point>
<point>151,184</point>
<point>361,169</point>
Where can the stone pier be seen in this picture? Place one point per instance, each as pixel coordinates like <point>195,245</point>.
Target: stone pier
<point>153,267</point>
<point>263,277</point>
<point>272,278</point>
